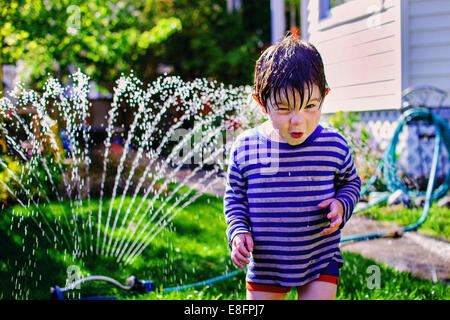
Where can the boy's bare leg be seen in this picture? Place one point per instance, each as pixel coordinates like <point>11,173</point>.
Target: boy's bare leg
<point>317,290</point>
<point>262,295</point>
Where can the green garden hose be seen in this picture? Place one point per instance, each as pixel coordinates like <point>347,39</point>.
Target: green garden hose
<point>389,170</point>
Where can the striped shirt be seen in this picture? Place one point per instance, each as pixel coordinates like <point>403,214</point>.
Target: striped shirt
<point>273,191</point>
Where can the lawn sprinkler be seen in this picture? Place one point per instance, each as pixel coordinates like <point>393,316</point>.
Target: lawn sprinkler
<point>131,284</point>
<point>415,110</point>
<point>138,286</point>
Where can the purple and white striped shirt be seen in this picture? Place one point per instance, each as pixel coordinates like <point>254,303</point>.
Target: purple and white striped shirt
<point>272,192</point>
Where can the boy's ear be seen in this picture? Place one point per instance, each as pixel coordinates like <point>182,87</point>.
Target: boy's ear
<point>327,91</point>
<point>263,109</point>
<point>255,97</point>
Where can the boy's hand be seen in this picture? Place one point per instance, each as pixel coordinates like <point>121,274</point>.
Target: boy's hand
<point>241,249</point>
<point>335,214</point>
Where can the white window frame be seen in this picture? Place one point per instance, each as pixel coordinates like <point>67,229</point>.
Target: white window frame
<point>329,18</point>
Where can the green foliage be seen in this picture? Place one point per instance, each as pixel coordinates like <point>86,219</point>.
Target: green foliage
<point>347,123</point>
<point>215,43</point>
<point>334,3</point>
<point>365,150</point>
<point>29,181</point>
<point>107,38</point>
<point>103,38</point>
<point>8,169</point>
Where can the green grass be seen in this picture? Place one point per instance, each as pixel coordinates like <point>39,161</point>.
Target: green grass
<point>436,224</point>
<point>192,248</point>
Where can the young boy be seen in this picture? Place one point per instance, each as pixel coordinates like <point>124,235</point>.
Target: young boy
<point>291,183</point>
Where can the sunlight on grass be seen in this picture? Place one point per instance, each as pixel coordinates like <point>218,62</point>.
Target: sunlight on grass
<point>192,248</point>
<point>435,225</point>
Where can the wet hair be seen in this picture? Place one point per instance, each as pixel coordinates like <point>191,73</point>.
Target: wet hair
<point>291,64</point>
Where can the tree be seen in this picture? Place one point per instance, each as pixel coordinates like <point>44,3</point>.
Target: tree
<point>102,38</point>
<point>105,38</point>
<point>215,43</point>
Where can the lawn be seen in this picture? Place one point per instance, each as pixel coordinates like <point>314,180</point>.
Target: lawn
<point>436,224</point>
<point>192,248</point>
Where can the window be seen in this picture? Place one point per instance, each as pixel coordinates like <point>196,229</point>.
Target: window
<point>324,9</point>
<point>334,3</point>
<point>233,5</point>
<point>327,5</point>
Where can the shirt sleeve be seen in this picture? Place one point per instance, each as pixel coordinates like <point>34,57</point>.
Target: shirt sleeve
<point>348,187</point>
<point>235,200</point>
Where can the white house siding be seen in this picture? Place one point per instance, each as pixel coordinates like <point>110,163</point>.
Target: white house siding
<point>360,44</point>
<point>429,44</point>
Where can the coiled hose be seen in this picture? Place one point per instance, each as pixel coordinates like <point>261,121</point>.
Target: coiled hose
<point>389,169</point>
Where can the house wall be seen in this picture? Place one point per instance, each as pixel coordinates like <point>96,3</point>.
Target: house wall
<point>360,43</point>
<point>373,49</point>
<point>429,44</point>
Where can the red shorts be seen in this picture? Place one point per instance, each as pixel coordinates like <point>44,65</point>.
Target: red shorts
<point>329,274</point>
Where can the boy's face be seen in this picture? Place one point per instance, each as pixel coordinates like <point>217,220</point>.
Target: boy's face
<point>294,123</point>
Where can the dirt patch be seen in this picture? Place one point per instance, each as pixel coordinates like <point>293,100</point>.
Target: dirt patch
<point>421,255</point>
